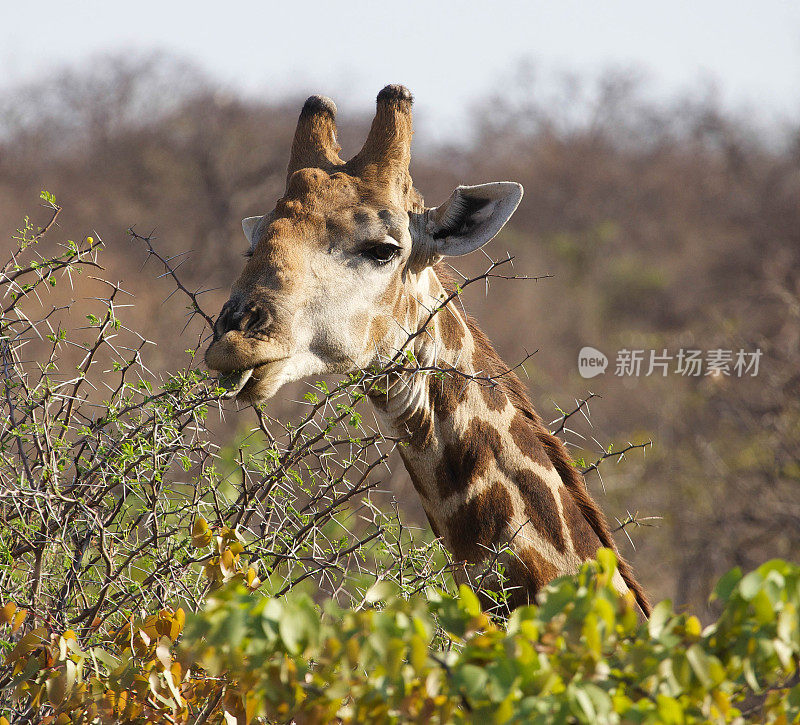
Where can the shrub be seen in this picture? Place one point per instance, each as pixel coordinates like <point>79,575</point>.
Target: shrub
<point>581,656</point>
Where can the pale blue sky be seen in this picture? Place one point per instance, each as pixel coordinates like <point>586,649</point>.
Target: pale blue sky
<point>448,53</point>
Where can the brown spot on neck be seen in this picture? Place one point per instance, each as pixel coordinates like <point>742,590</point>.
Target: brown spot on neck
<point>468,460</point>
<point>529,571</point>
<point>451,329</point>
<point>420,428</point>
<point>541,507</point>
<point>523,433</point>
<point>479,525</point>
<point>583,536</point>
<point>446,394</point>
<point>494,397</point>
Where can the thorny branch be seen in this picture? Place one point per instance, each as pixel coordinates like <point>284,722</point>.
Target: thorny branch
<point>618,455</point>
<point>172,273</point>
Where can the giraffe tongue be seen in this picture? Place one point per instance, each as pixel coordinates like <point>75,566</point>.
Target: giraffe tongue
<point>234,382</point>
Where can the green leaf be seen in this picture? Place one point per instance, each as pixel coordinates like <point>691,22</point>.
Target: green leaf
<point>471,680</point>
<point>659,617</point>
<point>298,625</point>
<point>707,668</point>
<point>607,560</point>
<point>763,607</point>
<point>727,584</point>
<point>582,704</point>
<point>502,675</point>
<point>750,584</point>
<point>469,601</point>
<point>670,711</point>
<point>381,591</point>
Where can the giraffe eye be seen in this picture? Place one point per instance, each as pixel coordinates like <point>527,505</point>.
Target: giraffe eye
<point>381,253</point>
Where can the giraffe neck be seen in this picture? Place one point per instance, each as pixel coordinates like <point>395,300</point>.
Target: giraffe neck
<point>489,475</point>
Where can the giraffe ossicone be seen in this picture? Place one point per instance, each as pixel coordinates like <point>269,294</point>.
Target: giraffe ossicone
<point>338,273</point>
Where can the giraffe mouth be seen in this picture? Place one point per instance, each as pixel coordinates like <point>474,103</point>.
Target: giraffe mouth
<point>234,382</point>
<point>240,383</point>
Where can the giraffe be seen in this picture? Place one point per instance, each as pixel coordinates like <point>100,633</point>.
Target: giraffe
<point>348,262</point>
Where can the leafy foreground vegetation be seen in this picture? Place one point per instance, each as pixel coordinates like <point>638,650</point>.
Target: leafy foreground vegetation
<point>147,575</point>
<point>581,656</point>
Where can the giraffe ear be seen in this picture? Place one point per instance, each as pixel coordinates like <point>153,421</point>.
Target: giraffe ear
<point>470,218</point>
<point>253,225</point>
<point>249,225</point>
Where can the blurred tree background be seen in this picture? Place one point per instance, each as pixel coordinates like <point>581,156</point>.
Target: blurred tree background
<point>665,226</point>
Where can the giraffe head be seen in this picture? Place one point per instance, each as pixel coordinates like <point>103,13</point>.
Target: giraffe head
<point>332,267</point>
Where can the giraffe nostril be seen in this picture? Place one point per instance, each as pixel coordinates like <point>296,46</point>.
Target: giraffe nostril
<point>264,319</point>
<point>252,318</point>
<point>229,319</point>
<point>257,319</point>
<point>221,325</point>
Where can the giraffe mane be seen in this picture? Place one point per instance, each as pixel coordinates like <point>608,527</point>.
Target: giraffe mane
<point>554,447</point>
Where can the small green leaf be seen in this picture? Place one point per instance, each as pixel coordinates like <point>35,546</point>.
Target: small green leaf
<point>471,680</point>
<point>659,617</point>
<point>469,601</point>
<point>727,584</point>
<point>380,591</point>
<point>750,584</point>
